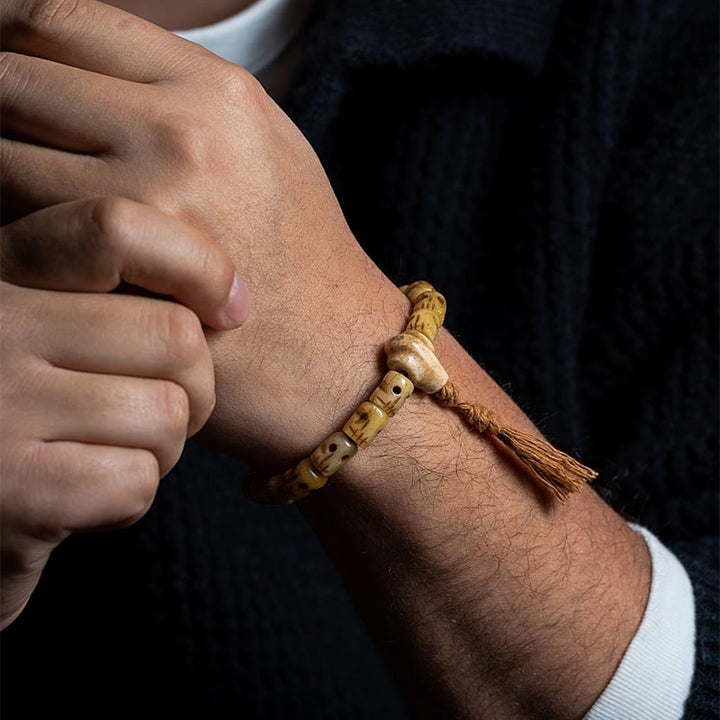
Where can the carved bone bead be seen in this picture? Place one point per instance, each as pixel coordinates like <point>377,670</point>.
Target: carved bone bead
<point>366,422</point>
<point>433,301</point>
<point>298,482</point>
<point>286,487</point>
<point>333,453</point>
<point>391,393</point>
<point>414,290</point>
<point>424,321</point>
<point>413,354</point>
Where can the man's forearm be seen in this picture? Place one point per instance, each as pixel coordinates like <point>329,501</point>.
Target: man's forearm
<point>490,599</point>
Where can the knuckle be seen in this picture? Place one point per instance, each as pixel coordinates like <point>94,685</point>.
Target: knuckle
<point>110,216</point>
<point>40,14</point>
<point>173,407</point>
<point>130,491</point>
<point>239,87</point>
<point>203,402</point>
<point>144,474</point>
<point>183,336</point>
<point>185,141</point>
<point>211,402</point>
<point>202,417</point>
<point>110,221</point>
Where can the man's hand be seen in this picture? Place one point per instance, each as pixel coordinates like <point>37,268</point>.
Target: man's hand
<point>99,391</point>
<point>162,121</point>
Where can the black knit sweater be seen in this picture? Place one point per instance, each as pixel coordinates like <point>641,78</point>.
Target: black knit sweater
<point>552,169</point>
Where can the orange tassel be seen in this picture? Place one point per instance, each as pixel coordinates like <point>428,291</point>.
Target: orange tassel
<point>556,471</point>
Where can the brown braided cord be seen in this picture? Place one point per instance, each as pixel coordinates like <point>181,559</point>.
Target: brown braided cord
<point>558,472</point>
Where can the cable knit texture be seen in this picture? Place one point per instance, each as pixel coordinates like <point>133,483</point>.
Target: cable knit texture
<point>552,167</point>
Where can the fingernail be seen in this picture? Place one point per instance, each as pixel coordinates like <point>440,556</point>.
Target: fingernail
<point>238,304</point>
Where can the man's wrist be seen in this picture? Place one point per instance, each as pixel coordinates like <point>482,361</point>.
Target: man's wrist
<point>477,554</point>
<point>309,386</point>
<point>426,440</point>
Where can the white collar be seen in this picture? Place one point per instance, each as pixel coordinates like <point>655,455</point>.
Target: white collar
<point>255,36</point>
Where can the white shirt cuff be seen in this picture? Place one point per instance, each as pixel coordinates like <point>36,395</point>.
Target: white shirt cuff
<point>653,679</point>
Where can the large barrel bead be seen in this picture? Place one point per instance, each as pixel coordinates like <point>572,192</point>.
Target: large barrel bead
<point>413,354</point>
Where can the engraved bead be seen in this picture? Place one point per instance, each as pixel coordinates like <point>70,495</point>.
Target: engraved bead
<point>433,301</point>
<point>424,321</point>
<point>298,482</point>
<point>391,393</point>
<point>413,354</point>
<point>287,487</point>
<point>333,453</point>
<point>366,422</point>
<point>414,290</point>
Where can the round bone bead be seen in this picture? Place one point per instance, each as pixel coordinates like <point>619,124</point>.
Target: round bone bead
<point>366,422</point>
<point>424,321</point>
<point>414,290</point>
<point>413,354</point>
<point>391,393</point>
<point>435,302</point>
<point>333,453</point>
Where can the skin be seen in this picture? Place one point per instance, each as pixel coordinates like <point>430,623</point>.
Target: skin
<point>489,599</point>
<point>92,421</point>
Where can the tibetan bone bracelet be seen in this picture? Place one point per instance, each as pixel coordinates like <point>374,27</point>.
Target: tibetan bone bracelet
<point>359,431</point>
<point>412,363</point>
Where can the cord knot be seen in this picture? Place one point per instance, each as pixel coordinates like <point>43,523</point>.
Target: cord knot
<point>481,418</point>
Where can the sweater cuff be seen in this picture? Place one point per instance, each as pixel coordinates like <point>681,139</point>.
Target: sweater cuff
<point>653,679</point>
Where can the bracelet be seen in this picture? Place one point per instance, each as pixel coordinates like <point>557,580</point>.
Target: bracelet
<point>412,363</point>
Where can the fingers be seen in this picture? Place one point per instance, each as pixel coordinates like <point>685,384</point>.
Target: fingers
<point>84,33</point>
<point>134,337</point>
<point>77,486</point>
<point>105,335</point>
<point>95,245</point>
<point>99,393</point>
<point>65,107</point>
<point>34,177</point>
<point>127,412</point>
<point>120,335</point>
